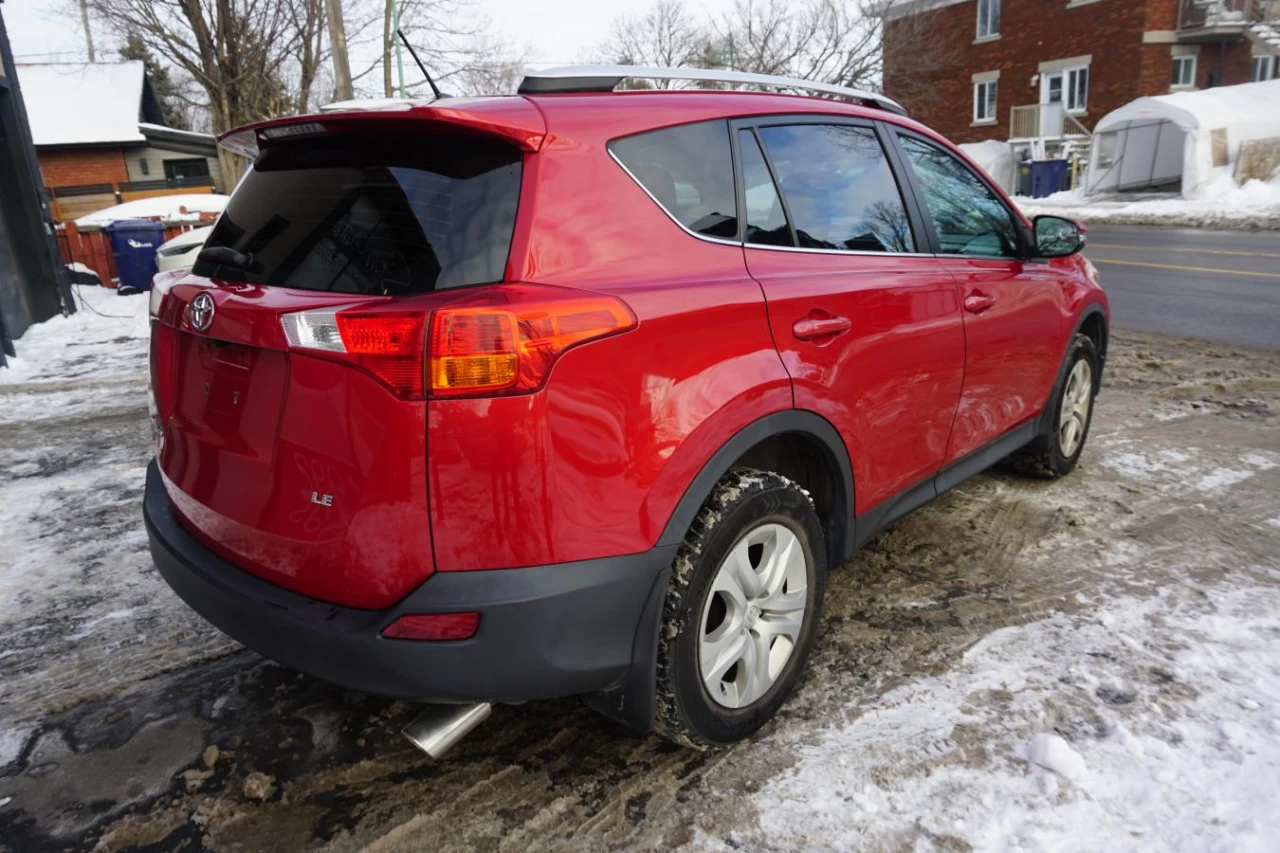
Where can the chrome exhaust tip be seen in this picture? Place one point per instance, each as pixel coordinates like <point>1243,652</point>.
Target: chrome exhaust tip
<point>439,727</point>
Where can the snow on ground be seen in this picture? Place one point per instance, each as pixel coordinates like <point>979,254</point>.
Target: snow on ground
<point>185,207</point>
<point>1222,204</point>
<point>1087,664</point>
<point>74,445</point>
<point>1080,750</point>
<point>105,339</point>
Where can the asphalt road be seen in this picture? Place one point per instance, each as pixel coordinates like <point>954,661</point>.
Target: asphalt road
<point>1216,285</point>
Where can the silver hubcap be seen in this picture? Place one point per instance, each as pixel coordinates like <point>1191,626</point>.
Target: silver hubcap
<point>1075,408</point>
<point>752,619</point>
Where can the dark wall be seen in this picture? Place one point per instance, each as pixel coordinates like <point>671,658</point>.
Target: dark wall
<point>33,284</point>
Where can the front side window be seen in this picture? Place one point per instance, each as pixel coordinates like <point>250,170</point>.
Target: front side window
<point>387,215</point>
<point>988,18</point>
<point>689,171</point>
<point>969,218</point>
<point>1184,71</point>
<point>1261,68</point>
<point>839,188</point>
<point>984,101</point>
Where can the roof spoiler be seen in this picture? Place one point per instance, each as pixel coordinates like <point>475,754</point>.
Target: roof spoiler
<point>512,119</point>
<point>605,78</point>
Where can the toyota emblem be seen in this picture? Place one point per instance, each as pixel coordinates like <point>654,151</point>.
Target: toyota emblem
<point>202,312</point>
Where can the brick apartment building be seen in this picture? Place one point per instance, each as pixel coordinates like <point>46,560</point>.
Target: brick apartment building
<point>101,139</point>
<point>1044,70</point>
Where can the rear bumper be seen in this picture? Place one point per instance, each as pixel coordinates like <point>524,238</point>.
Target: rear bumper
<point>545,631</point>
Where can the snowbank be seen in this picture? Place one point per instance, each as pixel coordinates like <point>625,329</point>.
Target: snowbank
<point>173,209</point>
<point>106,337</point>
<point>1056,736</point>
<point>1221,204</point>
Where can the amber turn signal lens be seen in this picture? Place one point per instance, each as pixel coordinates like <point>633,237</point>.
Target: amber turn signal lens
<point>512,349</point>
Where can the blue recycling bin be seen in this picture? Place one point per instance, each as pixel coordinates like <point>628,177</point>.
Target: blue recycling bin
<point>134,243</point>
<point>1047,177</point>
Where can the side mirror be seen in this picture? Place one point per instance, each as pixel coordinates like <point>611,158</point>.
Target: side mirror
<point>1057,237</point>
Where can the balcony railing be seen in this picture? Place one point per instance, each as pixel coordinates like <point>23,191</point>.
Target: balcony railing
<point>1044,121</point>
<point>1226,14</point>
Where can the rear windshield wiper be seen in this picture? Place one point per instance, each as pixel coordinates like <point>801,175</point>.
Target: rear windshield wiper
<point>225,256</point>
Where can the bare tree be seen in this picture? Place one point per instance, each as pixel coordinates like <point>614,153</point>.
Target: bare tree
<point>919,56</point>
<point>666,35</point>
<point>88,33</point>
<point>308,21</point>
<point>235,50</point>
<point>338,45</point>
<point>823,40</point>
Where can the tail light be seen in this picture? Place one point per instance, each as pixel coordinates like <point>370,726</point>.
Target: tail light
<point>387,344</point>
<point>471,351</point>
<point>485,350</point>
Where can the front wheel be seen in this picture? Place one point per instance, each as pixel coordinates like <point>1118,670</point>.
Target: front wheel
<point>742,610</point>
<point>1057,451</point>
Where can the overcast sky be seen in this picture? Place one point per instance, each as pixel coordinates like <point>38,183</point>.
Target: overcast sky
<point>557,31</point>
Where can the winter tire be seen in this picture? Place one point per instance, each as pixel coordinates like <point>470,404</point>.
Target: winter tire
<point>1057,451</point>
<point>742,610</point>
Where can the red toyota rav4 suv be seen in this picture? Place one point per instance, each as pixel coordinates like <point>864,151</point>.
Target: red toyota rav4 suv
<point>578,392</point>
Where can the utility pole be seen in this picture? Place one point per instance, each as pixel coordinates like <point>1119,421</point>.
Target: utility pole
<point>88,34</point>
<point>399,58</point>
<point>338,43</point>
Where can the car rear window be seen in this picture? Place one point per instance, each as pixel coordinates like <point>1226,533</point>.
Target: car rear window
<point>689,171</point>
<point>390,215</point>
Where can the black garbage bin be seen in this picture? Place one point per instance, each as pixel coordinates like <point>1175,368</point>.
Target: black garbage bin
<point>134,243</point>
<point>1024,178</point>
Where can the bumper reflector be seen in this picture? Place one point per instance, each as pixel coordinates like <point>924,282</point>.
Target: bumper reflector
<point>434,626</point>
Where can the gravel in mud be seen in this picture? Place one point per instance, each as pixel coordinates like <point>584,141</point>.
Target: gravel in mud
<point>126,723</point>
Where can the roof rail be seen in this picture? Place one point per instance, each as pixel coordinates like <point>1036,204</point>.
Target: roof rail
<point>604,78</point>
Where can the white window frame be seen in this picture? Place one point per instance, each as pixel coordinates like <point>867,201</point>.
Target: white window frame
<point>988,23</point>
<point>982,100</point>
<point>1069,89</point>
<point>1188,59</point>
<point>1068,75</point>
<point>1263,61</point>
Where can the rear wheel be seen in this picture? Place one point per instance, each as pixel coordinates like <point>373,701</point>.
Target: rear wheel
<point>1057,451</point>
<point>742,610</point>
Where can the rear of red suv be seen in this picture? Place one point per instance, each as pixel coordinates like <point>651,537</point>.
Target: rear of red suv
<point>353,317</point>
<point>479,401</point>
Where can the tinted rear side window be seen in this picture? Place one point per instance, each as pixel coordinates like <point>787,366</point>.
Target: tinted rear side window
<point>689,171</point>
<point>392,215</point>
<point>839,188</point>
<point>766,219</point>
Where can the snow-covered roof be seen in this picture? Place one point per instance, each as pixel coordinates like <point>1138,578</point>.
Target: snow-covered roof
<point>79,103</point>
<point>174,133</point>
<point>185,207</point>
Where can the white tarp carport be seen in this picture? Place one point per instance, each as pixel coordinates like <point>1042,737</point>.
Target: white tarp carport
<point>1189,138</point>
<point>996,159</point>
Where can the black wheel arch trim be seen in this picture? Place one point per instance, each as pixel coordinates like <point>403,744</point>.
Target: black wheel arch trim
<point>1045,421</point>
<point>839,523</point>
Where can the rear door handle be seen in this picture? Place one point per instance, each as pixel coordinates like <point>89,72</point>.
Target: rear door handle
<point>976,303</point>
<point>812,328</point>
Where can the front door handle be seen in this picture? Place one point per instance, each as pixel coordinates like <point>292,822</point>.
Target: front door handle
<point>976,303</point>
<point>827,326</point>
